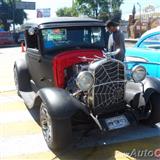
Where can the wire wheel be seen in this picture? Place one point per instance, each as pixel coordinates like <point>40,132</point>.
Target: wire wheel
<point>56,132</point>
<point>46,124</point>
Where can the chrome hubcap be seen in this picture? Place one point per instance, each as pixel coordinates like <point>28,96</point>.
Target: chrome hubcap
<point>46,124</point>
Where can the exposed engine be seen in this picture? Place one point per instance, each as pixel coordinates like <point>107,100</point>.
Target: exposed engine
<point>106,77</point>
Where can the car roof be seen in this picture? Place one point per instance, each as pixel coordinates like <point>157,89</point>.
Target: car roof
<point>147,34</point>
<point>60,21</point>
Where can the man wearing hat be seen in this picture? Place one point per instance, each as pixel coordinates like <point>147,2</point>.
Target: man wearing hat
<point>116,40</point>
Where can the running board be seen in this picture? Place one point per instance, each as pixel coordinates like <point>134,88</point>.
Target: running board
<point>28,97</point>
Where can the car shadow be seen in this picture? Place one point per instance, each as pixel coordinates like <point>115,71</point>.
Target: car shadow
<point>109,146</point>
<point>118,144</point>
<point>124,150</point>
<point>34,113</point>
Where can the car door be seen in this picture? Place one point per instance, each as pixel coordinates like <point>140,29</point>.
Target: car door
<point>40,68</point>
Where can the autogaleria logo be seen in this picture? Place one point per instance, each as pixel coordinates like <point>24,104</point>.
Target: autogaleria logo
<point>157,153</point>
<point>137,153</point>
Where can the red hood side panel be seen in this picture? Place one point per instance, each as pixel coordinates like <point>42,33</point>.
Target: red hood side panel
<point>67,59</point>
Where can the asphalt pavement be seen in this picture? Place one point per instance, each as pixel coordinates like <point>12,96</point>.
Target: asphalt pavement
<point>21,137</point>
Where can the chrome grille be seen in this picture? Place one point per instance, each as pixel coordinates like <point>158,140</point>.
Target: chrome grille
<point>108,90</point>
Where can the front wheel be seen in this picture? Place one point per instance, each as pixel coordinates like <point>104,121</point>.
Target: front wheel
<point>56,132</point>
<point>154,116</point>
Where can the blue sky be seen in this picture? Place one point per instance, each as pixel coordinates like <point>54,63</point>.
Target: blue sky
<point>55,4</point>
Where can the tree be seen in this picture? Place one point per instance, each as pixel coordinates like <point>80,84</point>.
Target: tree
<point>66,12</point>
<point>101,9</point>
<point>6,13</point>
<point>133,12</point>
<point>116,4</point>
<point>116,16</point>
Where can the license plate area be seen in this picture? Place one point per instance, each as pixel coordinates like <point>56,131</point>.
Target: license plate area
<point>117,122</point>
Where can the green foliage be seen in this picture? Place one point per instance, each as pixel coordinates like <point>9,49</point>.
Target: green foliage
<point>116,4</point>
<point>101,9</point>
<point>67,12</point>
<point>92,8</point>
<point>6,13</point>
<point>116,16</point>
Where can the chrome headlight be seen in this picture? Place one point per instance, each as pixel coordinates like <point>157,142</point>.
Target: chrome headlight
<point>138,73</point>
<point>85,80</point>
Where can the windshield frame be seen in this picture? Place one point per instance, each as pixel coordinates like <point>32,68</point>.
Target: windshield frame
<point>52,51</point>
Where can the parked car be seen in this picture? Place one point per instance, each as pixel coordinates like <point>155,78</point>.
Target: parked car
<point>20,38</point>
<point>76,85</point>
<point>146,52</point>
<point>6,38</point>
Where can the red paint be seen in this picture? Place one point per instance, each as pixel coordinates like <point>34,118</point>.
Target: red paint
<point>68,58</point>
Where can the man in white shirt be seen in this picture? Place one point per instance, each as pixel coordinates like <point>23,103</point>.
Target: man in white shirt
<point>110,42</point>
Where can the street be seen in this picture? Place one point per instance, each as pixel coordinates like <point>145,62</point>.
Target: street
<point>21,137</point>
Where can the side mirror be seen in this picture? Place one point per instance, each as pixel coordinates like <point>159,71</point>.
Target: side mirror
<point>31,31</point>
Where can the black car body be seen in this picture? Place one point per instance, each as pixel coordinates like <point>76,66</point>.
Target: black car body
<point>76,85</point>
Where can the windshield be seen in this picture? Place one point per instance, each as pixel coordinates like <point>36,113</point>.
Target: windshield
<point>74,37</point>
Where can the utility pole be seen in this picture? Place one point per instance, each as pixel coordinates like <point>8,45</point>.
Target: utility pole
<point>13,16</point>
<point>96,8</point>
<point>72,3</point>
<point>140,16</point>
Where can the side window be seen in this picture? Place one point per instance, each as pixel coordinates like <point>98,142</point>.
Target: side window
<point>87,35</point>
<point>95,34</point>
<point>151,42</point>
<point>32,41</point>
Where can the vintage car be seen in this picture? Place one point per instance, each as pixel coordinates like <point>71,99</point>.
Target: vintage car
<point>76,85</point>
<point>20,38</point>
<point>146,52</point>
<point>6,38</point>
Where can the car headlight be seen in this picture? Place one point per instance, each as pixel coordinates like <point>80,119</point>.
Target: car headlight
<point>138,73</point>
<point>85,80</point>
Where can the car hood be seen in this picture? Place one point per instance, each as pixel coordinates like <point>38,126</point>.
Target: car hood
<point>146,54</point>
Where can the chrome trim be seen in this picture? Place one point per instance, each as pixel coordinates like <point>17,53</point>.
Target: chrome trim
<point>134,69</point>
<point>135,59</point>
<point>109,83</point>
<point>46,124</point>
<point>92,69</point>
<point>147,62</point>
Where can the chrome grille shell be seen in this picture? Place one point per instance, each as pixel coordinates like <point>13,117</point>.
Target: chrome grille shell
<point>109,85</point>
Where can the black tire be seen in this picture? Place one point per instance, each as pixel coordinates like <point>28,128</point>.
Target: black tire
<point>21,78</point>
<point>154,116</point>
<point>57,133</point>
